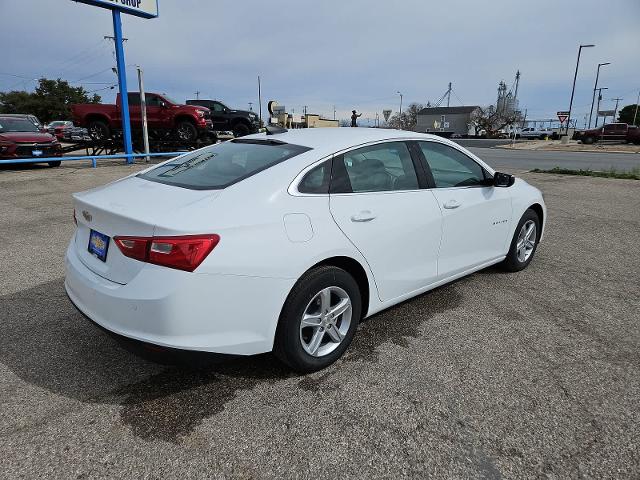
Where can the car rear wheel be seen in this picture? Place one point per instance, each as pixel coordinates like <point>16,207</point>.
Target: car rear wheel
<point>524,243</point>
<point>588,140</point>
<point>99,130</point>
<point>56,163</point>
<point>186,131</point>
<point>318,320</point>
<point>240,130</point>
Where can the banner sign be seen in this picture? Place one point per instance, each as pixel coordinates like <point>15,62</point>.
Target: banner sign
<point>139,8</point>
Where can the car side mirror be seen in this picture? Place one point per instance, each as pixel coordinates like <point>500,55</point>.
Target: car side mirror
<point>503,179</point>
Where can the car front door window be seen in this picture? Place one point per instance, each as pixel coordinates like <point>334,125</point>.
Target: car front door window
<point>450,167</point>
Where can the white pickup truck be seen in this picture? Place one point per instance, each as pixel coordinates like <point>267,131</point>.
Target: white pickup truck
<point>532,132</point>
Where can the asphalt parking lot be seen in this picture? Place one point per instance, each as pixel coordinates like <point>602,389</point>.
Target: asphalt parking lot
<point>527,375</point>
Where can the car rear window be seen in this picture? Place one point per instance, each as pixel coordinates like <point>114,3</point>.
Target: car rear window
<point>224,164</point>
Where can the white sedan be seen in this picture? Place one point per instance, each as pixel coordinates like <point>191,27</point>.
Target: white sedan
<point>283,242</point>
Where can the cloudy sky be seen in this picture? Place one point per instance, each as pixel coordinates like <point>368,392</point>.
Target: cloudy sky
<point>347,53</point>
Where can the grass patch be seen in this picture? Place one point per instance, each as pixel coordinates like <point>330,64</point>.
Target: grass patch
<point>634,174</point>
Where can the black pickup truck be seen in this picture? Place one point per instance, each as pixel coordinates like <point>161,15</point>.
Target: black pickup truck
<point>225,119</point>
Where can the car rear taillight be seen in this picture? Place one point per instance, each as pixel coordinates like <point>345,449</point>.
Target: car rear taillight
<point>133,247</point>
<point>184,253</point>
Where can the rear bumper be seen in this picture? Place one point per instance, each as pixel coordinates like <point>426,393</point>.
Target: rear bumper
<point>229,314</point>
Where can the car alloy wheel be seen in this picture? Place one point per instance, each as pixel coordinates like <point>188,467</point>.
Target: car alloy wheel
<point>325,321</point>
<point>526,241</point>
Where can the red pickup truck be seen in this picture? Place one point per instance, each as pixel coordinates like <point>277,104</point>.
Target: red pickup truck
<point>620,132</point>
<point>164,118</point>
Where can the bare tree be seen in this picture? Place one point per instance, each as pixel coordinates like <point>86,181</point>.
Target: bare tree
<point>408,120</point>
<point>491,121</point>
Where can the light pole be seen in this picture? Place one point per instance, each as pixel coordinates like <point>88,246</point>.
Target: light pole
<point>595,88</point>
<point>398,92</point>
<point>573,89</point>
<point>635,115</point>
<point>598,107</point>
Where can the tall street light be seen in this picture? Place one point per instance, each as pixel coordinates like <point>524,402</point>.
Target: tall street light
<point>593,100</point>
<point>573,90</point>
<point>398,92</point>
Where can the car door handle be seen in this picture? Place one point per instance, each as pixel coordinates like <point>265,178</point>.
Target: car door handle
<point>451,204</point>
<point>364,216</point>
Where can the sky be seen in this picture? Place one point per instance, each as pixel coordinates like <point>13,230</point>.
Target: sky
<point>347,54</point>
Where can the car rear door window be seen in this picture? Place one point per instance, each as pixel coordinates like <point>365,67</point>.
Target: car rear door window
<point>450,167</point>
<point>378,168</point>
<point>224,164</point>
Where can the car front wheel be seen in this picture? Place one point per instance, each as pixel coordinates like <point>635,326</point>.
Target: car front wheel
<point>524,243</point>
<point>240,130</point>
<point>186,131</point>
<point>318,320</point>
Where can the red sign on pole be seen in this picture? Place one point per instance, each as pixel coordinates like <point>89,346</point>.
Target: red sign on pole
<point>562,116</point>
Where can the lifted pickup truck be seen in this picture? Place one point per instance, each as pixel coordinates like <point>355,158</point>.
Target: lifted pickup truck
<point>619,132</point>
<point>224,119</point>
<point>165,118</point>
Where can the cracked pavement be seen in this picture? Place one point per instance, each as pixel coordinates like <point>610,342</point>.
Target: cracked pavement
<point>527,375</point>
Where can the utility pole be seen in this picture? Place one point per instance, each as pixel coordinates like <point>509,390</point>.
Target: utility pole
<point>573,89</point>
<point>595,87</point>
<point>599,99</point>
<point>198,95</point>
<point>143,111</point>
<point>334,112</point>
<point>398,92</point>
<point>615,112</point>
<point>635,115</point>
<point>259,101</point>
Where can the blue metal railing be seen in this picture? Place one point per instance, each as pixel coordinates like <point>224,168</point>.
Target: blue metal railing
<point>92,158</point>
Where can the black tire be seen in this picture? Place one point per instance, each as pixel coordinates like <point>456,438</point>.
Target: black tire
<point>99,130</point>
<point>56,163</point>
<point>186,131</point>
<point>588,140</point>
<point>288,346</point>
<point>512,263</point>
<point>240,130</point>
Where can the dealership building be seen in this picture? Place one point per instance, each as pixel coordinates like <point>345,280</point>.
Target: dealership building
<point>446,120</point>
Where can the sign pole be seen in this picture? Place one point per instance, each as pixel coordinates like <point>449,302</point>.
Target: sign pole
<point>122,82</point>
<point>143,110</point>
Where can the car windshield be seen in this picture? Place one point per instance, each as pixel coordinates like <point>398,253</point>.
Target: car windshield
<point>57,124</point>
<point>224,164</point>
<point>8,124</point>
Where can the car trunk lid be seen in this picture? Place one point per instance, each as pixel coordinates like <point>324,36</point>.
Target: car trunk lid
<point>129,207</point>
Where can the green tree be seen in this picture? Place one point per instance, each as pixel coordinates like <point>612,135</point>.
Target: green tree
<point>51,100</point>
<point>625,115</point>
<point>409,118</point>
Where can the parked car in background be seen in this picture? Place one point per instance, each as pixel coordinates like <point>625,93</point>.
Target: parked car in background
<point>284,242</point>
<point>21,138</point>
<point>536,133</point>
<point>59,128</point>
<point>32,118</point>
<point>612,132</point>
<point>165,118</point>
<point>223,118</point>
